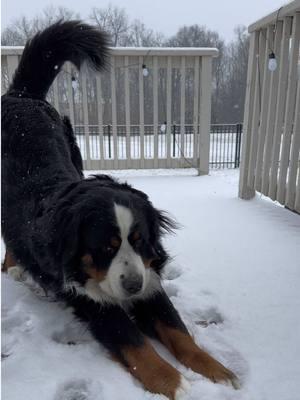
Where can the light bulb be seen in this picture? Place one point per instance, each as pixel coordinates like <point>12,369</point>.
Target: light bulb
<point>163,127</point>
<point>74,83</point>
<point>272,65</point>
<point>145,70</point>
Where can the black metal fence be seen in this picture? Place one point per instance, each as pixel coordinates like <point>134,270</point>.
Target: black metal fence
<point>225,143</point>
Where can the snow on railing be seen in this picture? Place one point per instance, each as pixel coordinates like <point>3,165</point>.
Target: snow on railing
<point>161,87</point>
<point>271,134</point>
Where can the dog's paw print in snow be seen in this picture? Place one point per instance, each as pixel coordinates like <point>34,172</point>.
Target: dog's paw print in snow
<point>73,390</point>
<point>73,333</point>
<point>15,325</point>
<point>172,271</point>
<point>210,316</point>
<point>78,389</point>
<point>170,274</point>
<point>170,288</point>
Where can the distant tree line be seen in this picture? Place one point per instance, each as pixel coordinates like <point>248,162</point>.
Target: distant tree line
<point>229,68</point>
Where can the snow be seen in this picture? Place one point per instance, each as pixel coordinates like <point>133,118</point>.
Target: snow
<point>235,279</point>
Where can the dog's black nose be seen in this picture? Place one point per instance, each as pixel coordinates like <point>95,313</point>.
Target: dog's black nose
<point>132,283</point>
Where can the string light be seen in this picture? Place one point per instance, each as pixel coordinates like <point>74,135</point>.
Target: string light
<point>272,65</point>
<point>163,127</point>
<point>74,83</point>
<point>145,70</point>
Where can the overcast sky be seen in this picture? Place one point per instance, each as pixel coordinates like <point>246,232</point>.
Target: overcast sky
<point>165,16</point>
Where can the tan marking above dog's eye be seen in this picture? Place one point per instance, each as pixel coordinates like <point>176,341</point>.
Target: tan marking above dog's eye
<point>95,273</point>
<point>87,260</point>
<point>136,236</point>
<point>115,242</point>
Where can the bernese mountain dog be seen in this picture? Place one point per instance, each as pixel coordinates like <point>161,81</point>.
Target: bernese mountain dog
<point>95,243</point>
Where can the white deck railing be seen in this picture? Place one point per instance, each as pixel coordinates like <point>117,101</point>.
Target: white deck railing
<point>123,109</point>
<point>271,138</point>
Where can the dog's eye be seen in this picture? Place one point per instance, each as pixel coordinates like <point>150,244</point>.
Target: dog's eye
<point>115,242</point>
<point>136,236</point>
<point>109,250</point>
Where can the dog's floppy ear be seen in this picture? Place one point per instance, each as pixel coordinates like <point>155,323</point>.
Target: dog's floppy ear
<point>160,224</point>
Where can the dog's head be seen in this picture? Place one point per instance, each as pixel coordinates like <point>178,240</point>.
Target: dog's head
<point>108,240</point>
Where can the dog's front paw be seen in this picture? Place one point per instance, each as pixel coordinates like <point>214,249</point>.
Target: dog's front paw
<point>160,377</point>
<point>17,273</point>
<point>183,389</point>
<point>204,364</point>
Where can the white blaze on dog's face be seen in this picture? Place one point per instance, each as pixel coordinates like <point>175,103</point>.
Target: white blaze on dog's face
<point>127,275</point>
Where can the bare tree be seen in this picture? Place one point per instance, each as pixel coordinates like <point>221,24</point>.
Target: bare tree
<point>232,95</point>
<point>114,21</point>
<point>200,36</point>
<point>141,36</point>
<point>23,28</point>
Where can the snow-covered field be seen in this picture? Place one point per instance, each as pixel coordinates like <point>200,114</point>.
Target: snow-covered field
<point>235,279</point>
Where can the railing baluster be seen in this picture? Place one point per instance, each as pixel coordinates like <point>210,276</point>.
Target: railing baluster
<point>260,61</point>
<point>56,93</point>
<point>205,112</point>
<point>114,113</point>
<point>196,111</point>
<point>100,119</point>
<point>127,111</point>
<point>86,116</point>
<point>169,109</point>
<point>12,64</point>
<point>289,110</point>
<point>141,110</point>
<point>70,94</point>
<point>155,109</point>
<point>182,112</point>
<point>246,192</point>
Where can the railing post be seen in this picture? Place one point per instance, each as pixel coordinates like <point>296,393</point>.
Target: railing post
<point>205,109</point>
<point>237,145</point>
<point>12,64</point>
<point>109,140</point>
<point>246,192</point>
<point>174,139</point>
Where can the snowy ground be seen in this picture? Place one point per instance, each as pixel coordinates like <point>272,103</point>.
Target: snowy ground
<point>235,280</point>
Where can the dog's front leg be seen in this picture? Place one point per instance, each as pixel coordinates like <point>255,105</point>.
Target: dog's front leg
<point>158,317</point>
<point>112,327</point>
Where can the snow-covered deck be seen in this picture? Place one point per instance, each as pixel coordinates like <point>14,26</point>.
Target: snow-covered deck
<point>235,279</point>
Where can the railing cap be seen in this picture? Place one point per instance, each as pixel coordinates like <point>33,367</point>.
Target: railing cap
<point>287,10</point>
<point>138,51</point>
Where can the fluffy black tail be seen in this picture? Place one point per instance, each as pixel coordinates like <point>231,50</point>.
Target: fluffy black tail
<point>47,51</point>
